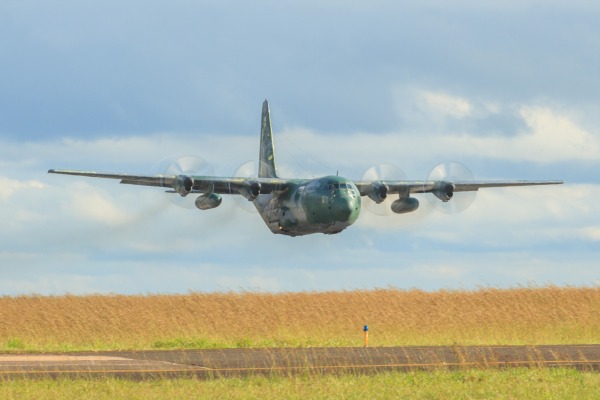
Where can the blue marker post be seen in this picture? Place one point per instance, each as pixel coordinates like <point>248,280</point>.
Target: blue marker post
<point>366,331</point>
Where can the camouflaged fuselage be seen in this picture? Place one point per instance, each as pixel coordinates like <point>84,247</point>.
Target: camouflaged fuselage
<point>324,205</point>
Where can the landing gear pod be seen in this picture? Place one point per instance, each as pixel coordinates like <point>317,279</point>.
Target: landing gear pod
<point>208,201</point>
<point>402,206</point>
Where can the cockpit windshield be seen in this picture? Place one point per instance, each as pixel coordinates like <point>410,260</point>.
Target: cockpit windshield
<point>343,186</point>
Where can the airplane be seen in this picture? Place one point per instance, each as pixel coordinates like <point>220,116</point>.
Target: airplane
<point>296,207</point>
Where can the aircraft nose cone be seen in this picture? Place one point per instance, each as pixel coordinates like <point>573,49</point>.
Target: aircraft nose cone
<point>342,208</point>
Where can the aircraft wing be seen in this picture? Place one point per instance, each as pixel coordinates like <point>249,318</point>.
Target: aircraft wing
<point>470,186</point>
<point>200,184</point>
<point>407,187</point>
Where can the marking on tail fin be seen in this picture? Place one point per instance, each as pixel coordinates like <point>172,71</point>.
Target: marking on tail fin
<point>266,165</point>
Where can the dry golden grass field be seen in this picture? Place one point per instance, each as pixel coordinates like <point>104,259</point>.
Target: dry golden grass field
<point>487,316</point>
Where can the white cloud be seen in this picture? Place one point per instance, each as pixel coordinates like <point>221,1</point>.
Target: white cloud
<point>443,104</point>
<point>442,271</point>
<point>591,233</point>
<point>92,204</point>
<point>533,216</point>
<point>8,186</point>
<point>551,137</point>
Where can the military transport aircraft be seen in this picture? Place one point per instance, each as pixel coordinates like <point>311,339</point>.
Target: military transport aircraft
<point>296,207</point>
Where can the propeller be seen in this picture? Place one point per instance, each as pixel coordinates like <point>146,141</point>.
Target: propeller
<point>382,172</point>
<point>188,165</point>
<point>453,172</point>
<point>246,170</point>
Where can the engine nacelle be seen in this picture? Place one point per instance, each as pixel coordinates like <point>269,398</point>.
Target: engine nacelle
<point>208,201</point>
<point>183,185</point>
<point>406,205</point>
<point>378,192</point>
<point>250,190</point>
<point>444,191</point>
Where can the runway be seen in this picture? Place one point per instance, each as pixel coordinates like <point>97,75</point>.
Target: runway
<point>222,363</point>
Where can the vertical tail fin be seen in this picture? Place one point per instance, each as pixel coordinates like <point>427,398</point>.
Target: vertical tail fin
<point>266,166</point>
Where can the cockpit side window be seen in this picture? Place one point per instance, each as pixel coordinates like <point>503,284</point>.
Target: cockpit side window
<point>331,186</point>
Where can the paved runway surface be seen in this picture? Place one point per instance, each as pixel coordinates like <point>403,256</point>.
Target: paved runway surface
<point>287,361</point>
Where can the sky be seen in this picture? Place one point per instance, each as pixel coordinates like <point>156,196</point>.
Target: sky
<point>508,88</point>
